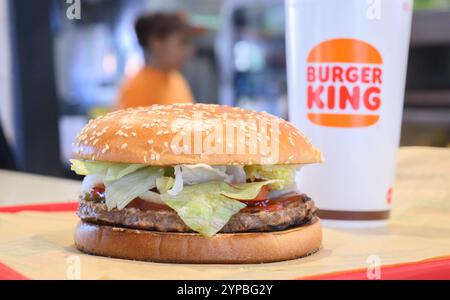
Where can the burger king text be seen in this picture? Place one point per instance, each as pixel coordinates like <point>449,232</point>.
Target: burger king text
<point>328,86</point>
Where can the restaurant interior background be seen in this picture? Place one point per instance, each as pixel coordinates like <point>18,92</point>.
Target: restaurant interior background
<point>56,73</point>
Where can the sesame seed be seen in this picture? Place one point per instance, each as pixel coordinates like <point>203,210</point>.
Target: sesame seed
<point>121,133</point>
<point>124,145</point>
<point>105,148</point>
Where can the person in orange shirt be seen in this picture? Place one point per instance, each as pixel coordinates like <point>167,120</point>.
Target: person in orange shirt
<point>166,41</point>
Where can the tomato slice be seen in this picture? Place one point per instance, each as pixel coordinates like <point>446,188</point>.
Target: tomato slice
<point>263,194</point>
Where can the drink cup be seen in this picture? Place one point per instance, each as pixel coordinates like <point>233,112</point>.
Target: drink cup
<point>346,77</point>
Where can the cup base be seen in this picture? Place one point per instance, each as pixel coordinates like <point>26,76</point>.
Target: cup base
<point>354,224</point>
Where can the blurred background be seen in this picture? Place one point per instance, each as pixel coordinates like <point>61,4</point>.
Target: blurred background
<point>56,73</point>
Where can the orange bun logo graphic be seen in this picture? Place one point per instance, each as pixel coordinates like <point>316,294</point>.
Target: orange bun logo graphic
<point>344,78</point>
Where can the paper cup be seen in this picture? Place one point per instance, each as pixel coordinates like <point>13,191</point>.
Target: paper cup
<point>346,77</point>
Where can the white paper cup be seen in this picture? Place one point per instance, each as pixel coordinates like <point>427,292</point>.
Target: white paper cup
<point>346,77</point>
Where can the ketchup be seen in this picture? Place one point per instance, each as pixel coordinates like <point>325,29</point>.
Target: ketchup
<point>97,193</point>
<point>271,204</point>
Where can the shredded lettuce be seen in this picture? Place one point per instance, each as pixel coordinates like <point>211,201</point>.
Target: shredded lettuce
<point>200,173</point>
<point>84,167</point>
<point>202,208</point>
<point>207,214</point>
<point>113,171</point>
<point>117,171</point>
<point>245,191</point>
<point>236,174</point>
<point>163,184</point>
<point>152,197</point>
<point>120,192</point>
<point>207,207</point>
<point>283,174</point>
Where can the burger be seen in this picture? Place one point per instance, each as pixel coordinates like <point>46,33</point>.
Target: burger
<point>194,183</point>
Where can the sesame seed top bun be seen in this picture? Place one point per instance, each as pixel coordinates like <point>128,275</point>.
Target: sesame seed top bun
<point>193,133</point>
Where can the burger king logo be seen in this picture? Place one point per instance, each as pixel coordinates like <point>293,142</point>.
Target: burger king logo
<point>344,78</point>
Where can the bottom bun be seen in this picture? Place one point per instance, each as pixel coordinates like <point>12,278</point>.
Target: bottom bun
<point>222,248</point>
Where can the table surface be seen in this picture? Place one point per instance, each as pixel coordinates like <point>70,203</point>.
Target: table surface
<point>419,229</point>
<point>18,188</point>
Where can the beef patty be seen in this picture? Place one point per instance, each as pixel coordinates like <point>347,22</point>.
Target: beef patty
<point>293,210</point>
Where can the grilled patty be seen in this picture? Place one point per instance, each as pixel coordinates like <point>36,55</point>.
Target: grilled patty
<point>297,211</point>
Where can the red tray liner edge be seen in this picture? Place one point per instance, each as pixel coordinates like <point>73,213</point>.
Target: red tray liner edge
<point>437,268</point>
<point>434,268</point>
<point>44,207</point>
<point>6,273</point>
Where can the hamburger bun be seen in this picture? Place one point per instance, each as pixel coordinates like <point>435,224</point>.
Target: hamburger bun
<point>223,248</point>
<point>145,135</point>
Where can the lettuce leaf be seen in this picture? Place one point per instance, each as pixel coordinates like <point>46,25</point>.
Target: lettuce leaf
<point>113,171</point>
<point>236,174</point>
<point>200,173</point>
<point>152,197</point>
<point>117,171</point>
<point>85,167</point>
<point>245,191</point>
<point>163,184</point>
<point>207,207</point>
<point>202,211</point>
<point>207,214</point>
<point>283,174</point>
<point>120,192</point>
